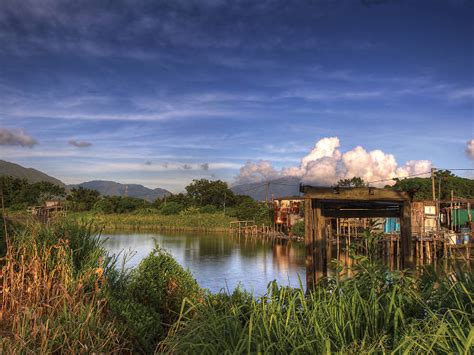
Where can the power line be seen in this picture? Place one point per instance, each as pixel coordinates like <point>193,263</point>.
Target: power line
<point>275,182</point>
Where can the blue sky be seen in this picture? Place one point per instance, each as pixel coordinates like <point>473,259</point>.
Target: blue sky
<point>161,92</point>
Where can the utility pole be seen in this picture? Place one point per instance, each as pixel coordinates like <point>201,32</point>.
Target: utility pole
<point>225,194</point>
<point>433,170</point>
<point>266,191</point>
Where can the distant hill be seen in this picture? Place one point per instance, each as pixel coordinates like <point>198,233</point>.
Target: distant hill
<point>283,187</point>
<point>112,188</point>
<point>30,174</point>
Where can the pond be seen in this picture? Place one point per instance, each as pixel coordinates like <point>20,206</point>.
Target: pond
<point>220,261</point>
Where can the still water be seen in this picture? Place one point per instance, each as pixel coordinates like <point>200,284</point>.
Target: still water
<point>220,261</point>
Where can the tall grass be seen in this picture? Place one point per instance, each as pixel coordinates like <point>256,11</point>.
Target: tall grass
<point>51,294</point>
<point>376,311</point>
<point>199,222</point>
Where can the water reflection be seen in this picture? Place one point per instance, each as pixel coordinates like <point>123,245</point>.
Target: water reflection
<point>220,261</point>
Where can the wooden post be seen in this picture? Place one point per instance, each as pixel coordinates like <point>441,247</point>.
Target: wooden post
<point>405,234</point>
<point>309,241</point>
<point>320,243</point>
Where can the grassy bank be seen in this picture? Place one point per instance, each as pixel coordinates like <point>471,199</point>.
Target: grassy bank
<point>153,221</point>
<point>60,292</point>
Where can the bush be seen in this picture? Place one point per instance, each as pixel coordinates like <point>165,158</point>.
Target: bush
<point>298,229</point>
<point>151,297</point>
<point>249,209</point>
<point>208,209</point>
<point>171,208</point>
<point>189,211</point>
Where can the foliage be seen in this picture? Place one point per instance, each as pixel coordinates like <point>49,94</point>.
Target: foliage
<point>206,192</point>
<point>18,193</point>
<point>298,228</point>
<point>152,297</point>
<point>422,187</point>
<point>376,311</point>
<point>52,301</point>
<point>157,221</point>
<point>248,209</point>
<point>82,199</point>
<point>208,209</point>
<point>189,211</point>
<point>171,208</point>
<point>119,204</point>
<point>353,182</point>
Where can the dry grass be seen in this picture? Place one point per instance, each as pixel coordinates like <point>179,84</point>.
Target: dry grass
<point>45,309</point>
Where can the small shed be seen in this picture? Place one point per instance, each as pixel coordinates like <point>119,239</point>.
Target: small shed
<point>360,202</point>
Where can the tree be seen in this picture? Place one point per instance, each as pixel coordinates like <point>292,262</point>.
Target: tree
<point>205,192</point>
<point>18,193</point>
<point>354,182</point>
<point>422,187</point>
<point>83,199</point>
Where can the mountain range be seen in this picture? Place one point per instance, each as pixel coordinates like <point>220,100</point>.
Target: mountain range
<point>30,174</point>
<point>106,188</point>
<point>260,191</point>
<point>112,188</point>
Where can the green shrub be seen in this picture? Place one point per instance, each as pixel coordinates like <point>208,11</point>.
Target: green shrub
<point>150,298</point>
<point>298,229</point>
<point>249,209</point>
<point>208,209</point>
<point>189,211</point>
<point>162,284</point>
<point>171,208</point>
<point>104,205</point>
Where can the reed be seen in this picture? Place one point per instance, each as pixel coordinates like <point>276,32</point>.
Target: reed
<point>48,305</point>
<point>372,312</point>
<point>199,222</point>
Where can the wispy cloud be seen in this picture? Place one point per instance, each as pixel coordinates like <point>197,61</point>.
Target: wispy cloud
<point>18,137</point>
<point>466,93</point>
<point>79,144</point>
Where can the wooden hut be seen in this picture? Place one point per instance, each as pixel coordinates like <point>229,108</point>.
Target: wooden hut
<point>364,202</point>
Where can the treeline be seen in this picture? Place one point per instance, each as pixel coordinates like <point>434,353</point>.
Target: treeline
<point>18,194</point>
<point>201,196</point>
<point>445,182</point>
<point>422,188</point>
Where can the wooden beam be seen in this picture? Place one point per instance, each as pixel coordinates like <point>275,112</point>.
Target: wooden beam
<point>319,246</point>
<point>309,242</point>
<point>405,235</point>
<point>361,213</point>
<point>362,193</point>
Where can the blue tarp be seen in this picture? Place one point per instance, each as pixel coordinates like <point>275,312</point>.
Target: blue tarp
<point>392,225</point>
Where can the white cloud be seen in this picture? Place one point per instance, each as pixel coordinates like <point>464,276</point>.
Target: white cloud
<point>470,148</point>
<point>325,165</point>
<point>19,137</point>
<point>259,171</point>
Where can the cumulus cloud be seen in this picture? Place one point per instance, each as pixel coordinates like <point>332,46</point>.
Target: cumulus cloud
<point>255,172</point>
<point>205,166</point>
<point>18,137</point>
<point>79,144</point>
<point>325,164</point>
<point>470,148</point>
